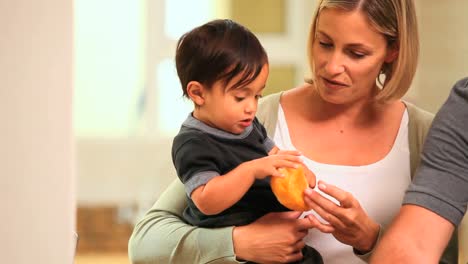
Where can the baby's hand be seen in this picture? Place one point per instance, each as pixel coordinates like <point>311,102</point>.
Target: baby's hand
<point>270,165</point>
<point>275,151</point>
<point>310,176</point>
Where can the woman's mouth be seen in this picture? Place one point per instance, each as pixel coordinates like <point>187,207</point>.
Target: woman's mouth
<point>332,84</point>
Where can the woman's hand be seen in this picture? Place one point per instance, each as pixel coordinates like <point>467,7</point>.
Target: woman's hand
<point>348,222</point>
<point>273,238</point>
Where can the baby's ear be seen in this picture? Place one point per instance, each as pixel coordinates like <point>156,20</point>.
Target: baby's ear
<point>195,91</point>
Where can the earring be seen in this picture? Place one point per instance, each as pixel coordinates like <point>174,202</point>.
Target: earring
<point>382,75</point>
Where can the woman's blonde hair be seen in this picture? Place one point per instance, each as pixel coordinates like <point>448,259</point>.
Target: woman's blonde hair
<point>396,20</point>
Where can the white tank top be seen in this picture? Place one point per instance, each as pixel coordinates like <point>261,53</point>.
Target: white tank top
<point>379,187</point>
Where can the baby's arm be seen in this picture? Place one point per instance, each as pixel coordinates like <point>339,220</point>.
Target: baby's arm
<point>222,192</point>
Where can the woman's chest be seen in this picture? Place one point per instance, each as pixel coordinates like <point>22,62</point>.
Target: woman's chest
<point>349,147</point>
<point>379,188</point>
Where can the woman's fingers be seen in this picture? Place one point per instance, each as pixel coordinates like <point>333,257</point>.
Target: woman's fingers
<point>352,225</point>
<point>272,238</point>
<point>299,225</point>
<point>345,199</point>
<point>322,227</point>
<point>277,238</point>
<point>349,208</point>
<point>323,207</point>
<point>293,257</point>
<point>300,244</point>
<point>304,224</point>
<point>341,216</point>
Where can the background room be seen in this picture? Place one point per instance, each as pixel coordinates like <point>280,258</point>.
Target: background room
<point>129,105</point>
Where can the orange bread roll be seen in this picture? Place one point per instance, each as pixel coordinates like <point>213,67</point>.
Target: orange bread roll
<point>289,190</point>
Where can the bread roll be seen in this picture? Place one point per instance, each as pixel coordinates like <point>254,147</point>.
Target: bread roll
<point>289,190</point>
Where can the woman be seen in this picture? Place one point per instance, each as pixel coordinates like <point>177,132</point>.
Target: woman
<point>355,133</point>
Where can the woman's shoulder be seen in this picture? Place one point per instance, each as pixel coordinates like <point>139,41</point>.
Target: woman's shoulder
<point>270,100</point>
<point>267,112</point>
<point>268,104</point>
<point>418,115</point>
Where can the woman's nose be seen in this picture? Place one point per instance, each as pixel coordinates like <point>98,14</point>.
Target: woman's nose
<point>335,64</point>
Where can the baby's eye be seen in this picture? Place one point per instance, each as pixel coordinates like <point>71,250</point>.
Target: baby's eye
<point>239,99</point>
<point>258,96</point>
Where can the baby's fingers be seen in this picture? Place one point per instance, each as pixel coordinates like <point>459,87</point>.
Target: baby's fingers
<point>293,158</point>
<point>286,164</point>
<point>289,152</point>
<point>278,173</point>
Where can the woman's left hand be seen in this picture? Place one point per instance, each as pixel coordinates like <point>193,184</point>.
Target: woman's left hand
<point>351,224</point>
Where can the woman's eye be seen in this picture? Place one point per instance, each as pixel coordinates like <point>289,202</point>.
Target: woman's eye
<point>325,44</point>
<point>357,55</point>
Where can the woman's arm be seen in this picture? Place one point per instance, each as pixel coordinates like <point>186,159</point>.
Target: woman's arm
<point>162,237</point>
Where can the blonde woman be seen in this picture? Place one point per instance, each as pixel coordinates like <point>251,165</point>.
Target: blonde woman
<point>354,131</point>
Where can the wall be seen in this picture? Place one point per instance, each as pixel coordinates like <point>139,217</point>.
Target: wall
<point>444,50</point>
<point>37,184</point>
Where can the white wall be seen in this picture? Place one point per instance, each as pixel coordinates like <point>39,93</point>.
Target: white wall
<point>37,184</point>
<point>444,50</point>
<point>123,171</point>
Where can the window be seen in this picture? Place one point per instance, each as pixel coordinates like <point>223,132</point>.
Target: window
<point>109,66</point>
<point>125,79</point>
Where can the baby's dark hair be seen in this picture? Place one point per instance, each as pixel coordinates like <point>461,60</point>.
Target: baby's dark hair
<point>219,50</point>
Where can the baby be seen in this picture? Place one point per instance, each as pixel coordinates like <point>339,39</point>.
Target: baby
<point>222,153</point>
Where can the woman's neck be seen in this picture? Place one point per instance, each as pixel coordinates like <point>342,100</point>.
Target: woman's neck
<point>356,114</point>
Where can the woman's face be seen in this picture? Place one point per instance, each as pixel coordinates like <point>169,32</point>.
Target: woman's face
<point>348,55</point>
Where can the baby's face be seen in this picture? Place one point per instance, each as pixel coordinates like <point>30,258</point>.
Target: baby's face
<point>233,110</point>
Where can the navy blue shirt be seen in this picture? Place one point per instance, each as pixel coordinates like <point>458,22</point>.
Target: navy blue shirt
<point>201,152</point>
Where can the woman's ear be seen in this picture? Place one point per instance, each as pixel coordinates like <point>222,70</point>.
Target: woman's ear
<point>196,92</point>
<point>392,54</point>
